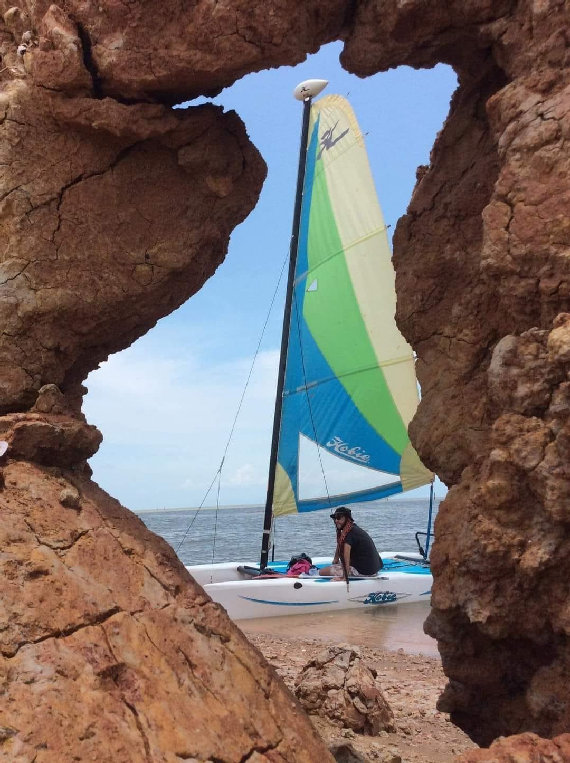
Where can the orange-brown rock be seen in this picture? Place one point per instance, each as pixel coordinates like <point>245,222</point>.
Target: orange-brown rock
<point>112,216</point>
<point>109,650</point>
<point>340,686</point>
<point>113,211</point>
<point>483,280</point>
<point>115,208</point>
<point>523,748</point>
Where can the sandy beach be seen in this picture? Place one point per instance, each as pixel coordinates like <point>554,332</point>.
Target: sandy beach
<point>408,668</point>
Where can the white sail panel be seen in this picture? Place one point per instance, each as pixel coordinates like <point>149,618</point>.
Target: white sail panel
<point>321,473</point>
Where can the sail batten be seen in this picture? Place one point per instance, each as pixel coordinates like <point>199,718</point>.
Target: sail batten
<point>350,384</point>
<point>341,252</point>
<point>318,382</point>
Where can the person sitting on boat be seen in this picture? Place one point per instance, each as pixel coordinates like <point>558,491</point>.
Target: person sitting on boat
<point>356,553</point>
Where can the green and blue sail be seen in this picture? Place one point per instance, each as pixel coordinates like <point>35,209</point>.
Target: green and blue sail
<point>350,386</point>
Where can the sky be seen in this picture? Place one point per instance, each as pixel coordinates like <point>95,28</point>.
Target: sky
<point>166,404</point>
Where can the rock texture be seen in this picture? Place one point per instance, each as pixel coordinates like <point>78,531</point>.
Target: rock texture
<point>339,685</point>
<point>115,208</point>
<point>109,651</point>
<point>483,293</point>
<point>410,684</point>
<point>524,748</point>
<point>113,215</point>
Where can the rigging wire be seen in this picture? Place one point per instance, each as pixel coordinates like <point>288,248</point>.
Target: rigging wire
<point>218,474</point>
<point>216,516</point>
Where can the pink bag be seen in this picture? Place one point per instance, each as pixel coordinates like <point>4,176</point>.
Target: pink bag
<point>303,565</point>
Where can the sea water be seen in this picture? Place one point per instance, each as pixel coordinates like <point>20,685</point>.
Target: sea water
<point>234,533</point>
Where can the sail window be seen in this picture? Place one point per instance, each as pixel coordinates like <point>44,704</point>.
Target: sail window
<point>323,474</point>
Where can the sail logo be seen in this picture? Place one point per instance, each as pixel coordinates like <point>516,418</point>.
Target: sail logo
<point>327,139</point>
<point>342,447</point>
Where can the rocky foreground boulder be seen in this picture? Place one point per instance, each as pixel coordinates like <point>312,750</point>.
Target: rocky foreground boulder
<point>110,652</point>
<point>523,748</point>
<point>340,686</point>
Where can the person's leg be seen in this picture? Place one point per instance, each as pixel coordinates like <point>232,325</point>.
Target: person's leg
<point>333,570</point>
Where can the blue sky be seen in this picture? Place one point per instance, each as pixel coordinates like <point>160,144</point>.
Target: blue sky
<point>165,405</point>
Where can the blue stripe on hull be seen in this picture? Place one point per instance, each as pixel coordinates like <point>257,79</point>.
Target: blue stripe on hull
<point>288,603</point>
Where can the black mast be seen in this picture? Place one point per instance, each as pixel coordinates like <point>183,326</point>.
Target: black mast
<point>285,335</point>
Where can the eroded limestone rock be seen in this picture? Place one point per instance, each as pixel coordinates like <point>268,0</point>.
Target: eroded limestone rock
<point>109,650</point>
<point>112,213</point>
<point>483,281</point>
<point>112,216</point>
<point>500,584</point>
<point>114,209</point>
<point>524,748</point>
<point>338,685</point>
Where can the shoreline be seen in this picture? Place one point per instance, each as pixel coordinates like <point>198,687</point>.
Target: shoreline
<point>388,628</point>
<point>411,684</point>
<point>228,507</point>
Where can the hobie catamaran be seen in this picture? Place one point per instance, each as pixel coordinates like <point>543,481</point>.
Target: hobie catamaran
<point>346,387</point>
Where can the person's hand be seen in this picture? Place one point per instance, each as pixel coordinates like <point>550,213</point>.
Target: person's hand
<point>338,577</point>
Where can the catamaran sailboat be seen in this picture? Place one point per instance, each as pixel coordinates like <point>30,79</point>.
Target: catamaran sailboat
<point>346,387</point>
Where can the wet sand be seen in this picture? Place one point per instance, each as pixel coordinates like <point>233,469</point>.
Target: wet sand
<point>392,642</point>
<point>390,628</point>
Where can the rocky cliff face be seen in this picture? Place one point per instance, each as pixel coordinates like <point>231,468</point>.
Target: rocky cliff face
<point>483,294</point>
<point>114,209</point>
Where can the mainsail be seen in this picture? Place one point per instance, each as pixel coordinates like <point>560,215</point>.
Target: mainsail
<point>350,388</point>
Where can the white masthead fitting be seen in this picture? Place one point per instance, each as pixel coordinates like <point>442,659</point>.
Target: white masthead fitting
<point>309,88</point>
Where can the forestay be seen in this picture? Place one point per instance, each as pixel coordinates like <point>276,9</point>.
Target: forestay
<point>350,385</point>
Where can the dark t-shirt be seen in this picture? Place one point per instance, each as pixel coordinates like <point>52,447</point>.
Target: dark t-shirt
<point>363,554</point>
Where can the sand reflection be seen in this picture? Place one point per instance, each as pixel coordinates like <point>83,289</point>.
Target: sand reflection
<point>391,628</point>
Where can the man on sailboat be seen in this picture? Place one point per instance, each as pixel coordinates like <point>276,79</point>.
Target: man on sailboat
<point>355,554</point>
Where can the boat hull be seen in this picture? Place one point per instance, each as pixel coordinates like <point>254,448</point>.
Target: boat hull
<point>245,598</point>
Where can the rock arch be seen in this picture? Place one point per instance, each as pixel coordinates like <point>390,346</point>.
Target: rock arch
<point>115,209</point>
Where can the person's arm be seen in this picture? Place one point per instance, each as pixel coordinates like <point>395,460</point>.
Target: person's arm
<point>346,560</point>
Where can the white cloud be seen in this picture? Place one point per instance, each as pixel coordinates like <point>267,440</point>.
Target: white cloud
<point>168,421</point>
<point>247,474</point>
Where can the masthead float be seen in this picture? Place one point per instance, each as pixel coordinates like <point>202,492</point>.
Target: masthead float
<point>309,88</point>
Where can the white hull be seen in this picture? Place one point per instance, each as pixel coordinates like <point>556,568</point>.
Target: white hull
<point>244,598</point>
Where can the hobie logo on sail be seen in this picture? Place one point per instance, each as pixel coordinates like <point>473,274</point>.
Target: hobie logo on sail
<point>342,447</point>
<point>329,139</point>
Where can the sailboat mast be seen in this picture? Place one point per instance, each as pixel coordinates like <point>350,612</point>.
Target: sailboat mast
<point>286,320</point>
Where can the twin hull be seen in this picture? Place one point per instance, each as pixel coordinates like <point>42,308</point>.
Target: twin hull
<point>400,582</point>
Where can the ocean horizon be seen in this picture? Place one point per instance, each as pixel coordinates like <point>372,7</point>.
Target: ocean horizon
<point>390,499</point>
